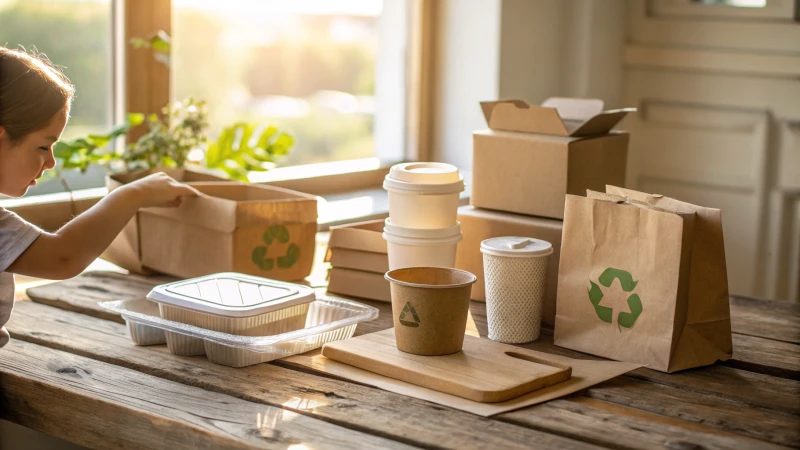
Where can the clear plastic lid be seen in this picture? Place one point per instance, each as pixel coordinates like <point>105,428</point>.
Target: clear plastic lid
<point>232,294</point>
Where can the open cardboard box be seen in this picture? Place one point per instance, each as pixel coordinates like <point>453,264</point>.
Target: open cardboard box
<point>532,156</point>
<point>125,250</point>
<point>232,227</point>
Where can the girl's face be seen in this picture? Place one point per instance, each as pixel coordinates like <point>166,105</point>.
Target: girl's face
<point>25,161</point>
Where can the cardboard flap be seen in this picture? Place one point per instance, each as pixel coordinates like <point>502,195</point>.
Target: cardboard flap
<point>517,115</point>
<point>224,206</point>
<point>576,117</point>
<point>579,109</point>
<point>204,210</point>
<point>600,124</point>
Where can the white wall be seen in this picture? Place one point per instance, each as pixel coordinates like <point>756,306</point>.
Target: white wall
<point>528,49</point>
<point>467,52</point>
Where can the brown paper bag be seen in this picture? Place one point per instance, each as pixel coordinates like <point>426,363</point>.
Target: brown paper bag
<point>643,279</point>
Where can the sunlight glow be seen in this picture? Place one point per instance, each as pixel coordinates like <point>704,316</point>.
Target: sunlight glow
<point>370,8</point>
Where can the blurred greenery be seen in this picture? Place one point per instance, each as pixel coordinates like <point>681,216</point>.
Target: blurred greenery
<point>235,67</point>
<point>76,37</point>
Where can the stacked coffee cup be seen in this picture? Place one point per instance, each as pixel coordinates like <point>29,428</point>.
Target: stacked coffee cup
<point>422,229</point>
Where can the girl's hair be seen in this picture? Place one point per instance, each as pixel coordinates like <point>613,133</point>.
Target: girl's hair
<point>32,91</point>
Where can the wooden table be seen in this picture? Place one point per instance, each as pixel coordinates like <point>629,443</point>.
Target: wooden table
<point>71,371</point>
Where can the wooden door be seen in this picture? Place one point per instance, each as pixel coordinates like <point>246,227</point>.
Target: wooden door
<point>718,92</point>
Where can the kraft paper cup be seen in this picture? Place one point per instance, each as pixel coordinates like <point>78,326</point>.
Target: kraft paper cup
<point>515,271</point>
<point>411,247</point>
<point>429,309</point>
<point>424,195</point>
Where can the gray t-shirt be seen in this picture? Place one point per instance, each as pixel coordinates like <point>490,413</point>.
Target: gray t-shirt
<point>16,236</point>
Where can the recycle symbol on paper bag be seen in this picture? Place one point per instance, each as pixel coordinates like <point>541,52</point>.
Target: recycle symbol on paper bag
<point>624,319</point>
<point>281,234</point>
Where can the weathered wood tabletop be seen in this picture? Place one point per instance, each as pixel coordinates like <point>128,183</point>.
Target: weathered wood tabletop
<point>71,371</point>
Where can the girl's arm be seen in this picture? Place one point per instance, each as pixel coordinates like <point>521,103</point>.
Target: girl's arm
<point>69,251</point>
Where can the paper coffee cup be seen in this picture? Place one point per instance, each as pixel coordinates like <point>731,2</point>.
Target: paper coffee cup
<point>429,309</point>
<point>515,270</point>
<point>414,247</point>
<point>424,195</point>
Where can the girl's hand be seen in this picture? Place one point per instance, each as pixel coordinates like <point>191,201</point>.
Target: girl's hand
<point>159,189</point>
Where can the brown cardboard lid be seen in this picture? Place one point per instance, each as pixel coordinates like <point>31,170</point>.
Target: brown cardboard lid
<point>574,117</point>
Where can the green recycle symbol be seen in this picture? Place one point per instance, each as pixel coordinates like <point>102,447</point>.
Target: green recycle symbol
<point>624,319</point>
<point>409,310</point>
<point>281,234</point>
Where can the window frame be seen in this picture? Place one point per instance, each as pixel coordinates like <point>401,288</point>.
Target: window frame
<point>140,83</point>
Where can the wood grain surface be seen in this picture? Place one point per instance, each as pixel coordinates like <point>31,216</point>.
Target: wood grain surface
<point>483,371</point>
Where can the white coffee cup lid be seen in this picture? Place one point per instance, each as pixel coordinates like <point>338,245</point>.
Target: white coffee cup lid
<point>424,179</point>
<point>516,247</point>
<point>425,173</point>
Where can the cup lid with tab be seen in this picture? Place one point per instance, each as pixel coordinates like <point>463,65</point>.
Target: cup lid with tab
<point>516,247</point>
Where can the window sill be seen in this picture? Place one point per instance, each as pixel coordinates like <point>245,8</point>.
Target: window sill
<point>350,191</point>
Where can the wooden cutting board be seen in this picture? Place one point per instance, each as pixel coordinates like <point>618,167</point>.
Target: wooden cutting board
<point>484,371</point>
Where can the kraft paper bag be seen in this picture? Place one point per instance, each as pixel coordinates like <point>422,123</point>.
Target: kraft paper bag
<point>643,279</point>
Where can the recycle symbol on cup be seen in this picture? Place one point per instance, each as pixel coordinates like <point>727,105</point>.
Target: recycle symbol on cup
<point>624,319</point>
<point>275,233</point>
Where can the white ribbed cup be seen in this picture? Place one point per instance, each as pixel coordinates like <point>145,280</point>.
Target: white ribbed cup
<point>515,291</point>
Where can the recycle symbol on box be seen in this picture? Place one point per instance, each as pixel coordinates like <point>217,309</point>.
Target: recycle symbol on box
<point>624,319</point>
<point>281,234</point>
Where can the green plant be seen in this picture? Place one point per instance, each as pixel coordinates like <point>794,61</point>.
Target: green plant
<point>169,141</point>
<point>172,138</point>
<point>80,153</point>
<point>240,149</point>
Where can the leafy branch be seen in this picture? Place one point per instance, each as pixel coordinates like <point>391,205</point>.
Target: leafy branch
<point>80,153</point>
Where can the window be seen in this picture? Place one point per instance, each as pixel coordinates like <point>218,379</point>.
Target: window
<point>77,36</point>
<point>333,73</point>
<point>307,66</point>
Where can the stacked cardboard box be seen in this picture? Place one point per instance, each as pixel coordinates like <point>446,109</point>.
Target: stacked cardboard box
<point>359,259</point>
<point>525,164</point>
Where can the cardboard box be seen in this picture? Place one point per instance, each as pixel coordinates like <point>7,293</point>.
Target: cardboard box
<point>234,227</point>
<point>357,260</point>
<point>125,250</point>
<point>361,236</point>
<point>479,224</point>
<point>532,156</point>
<point>356,283</point>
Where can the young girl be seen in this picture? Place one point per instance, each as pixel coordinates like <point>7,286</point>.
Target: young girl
<point>35,99</point>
